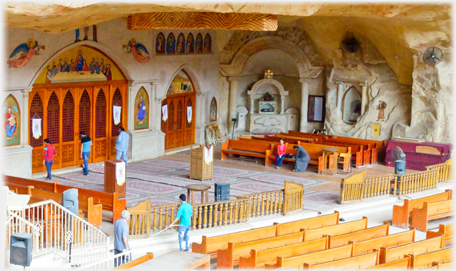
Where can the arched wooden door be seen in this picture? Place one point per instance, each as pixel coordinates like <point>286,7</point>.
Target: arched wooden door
<point>69,137</point>
<point>84,119</point>
<point>99,142</point>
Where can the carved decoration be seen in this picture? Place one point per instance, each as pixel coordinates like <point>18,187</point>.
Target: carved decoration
<point>202,20</point>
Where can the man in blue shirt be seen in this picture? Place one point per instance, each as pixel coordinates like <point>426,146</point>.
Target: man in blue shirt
<point>121,238</point>
<point>122,145</point>
<point>86,142</point>
<point>185,214</point>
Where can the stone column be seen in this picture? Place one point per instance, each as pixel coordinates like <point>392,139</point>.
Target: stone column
<point>153,107</point>
<point>282,104</point>
<point>201,110</point>
<point>364,98</point>
<point>158,102</point>
<point>24,117</point>
<point>131,107</point>
<point>340,95</point>
<point>233,100</point>
<point>304,103</point>
<point>252,104</point>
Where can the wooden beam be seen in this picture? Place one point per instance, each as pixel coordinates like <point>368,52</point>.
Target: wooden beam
<point>202,20</point>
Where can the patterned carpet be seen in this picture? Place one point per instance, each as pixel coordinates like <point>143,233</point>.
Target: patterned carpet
<point>164,180</point>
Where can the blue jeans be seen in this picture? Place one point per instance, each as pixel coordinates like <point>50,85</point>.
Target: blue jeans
<point>279,160</point>
<point>122,154</point>
<point>121,260</point>
<point>48,168</point>
<point>85,157</point>
<point>183,230</point>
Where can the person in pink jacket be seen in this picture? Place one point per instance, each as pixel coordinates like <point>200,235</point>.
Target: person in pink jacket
<point>281,151</point>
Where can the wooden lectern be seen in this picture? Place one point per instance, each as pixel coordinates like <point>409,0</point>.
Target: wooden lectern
<point>110,181</point>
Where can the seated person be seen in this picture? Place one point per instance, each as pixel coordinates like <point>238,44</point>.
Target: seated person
<point>302,159</point>
<point>281,150</point>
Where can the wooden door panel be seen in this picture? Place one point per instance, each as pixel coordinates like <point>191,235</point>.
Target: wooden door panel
<point>190,126</point>
<point>36,109</point>
<point>68,154</point>
<point>37,160</point>
<point>180,119</point>
<point>99,149</point>
<point>100,124</point>
<point>68,120</point>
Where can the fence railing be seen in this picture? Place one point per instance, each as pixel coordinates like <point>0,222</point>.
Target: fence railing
<point>215,214</point>
<point>357,187</point>
<point>59,231</point>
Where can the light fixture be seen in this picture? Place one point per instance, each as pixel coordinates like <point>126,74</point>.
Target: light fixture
<point>43,17</point>
<point>341,13</point>
<point>397,57</point>
<point>113,8</point>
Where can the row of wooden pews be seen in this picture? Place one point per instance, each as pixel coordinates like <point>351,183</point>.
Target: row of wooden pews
<point>91,202</point>
<point>321,242</point>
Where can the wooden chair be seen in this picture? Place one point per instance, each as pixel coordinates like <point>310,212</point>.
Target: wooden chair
<point>216,134</point>
<point>208,132</point>
<point>344,159</point>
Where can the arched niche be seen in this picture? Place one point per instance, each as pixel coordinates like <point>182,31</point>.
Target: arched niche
<point>262,86</point>
<point>351,105</point>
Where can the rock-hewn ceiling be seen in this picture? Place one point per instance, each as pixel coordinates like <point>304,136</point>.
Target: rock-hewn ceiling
<point>397,30</point>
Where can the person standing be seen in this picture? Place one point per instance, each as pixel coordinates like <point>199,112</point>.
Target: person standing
<point>302,159</point>
<point>281,151</point>
<point>86,142</point>
<point>122,145</point>
<point>49,152</point>
<point>121,238</point>
<point>184,213</point>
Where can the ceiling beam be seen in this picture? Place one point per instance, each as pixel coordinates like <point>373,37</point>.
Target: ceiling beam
<point>202,20</point>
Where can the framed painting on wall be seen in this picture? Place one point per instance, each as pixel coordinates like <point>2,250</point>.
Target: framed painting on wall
<point>12,125</point>
<point>316,108</point>
<point>213,115</point>
<point>142,110</point>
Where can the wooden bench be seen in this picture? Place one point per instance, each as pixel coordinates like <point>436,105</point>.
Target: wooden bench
<point>309,223</point>
<point>388,254</point>
<point>446,230</point>
<point>326,255</point>
<point>135,262</point>
<point>316,156</point>
<point>351,263</point>
<point>442,266</point>
<point>427,259</point>
<point>258,258</point>
<point>239,147</point>
<point>298,138</point>
<point>276,139</point>
<point>401,214</point>
<point>334,230</point>
<point>109,201</point>
<point>378,147</point>
<point>401,264</point>
<point>356,236</point>
<point>302,134</point>
<point>385,241</point>
<point>229,257</point>
<point>210,245</point>
<point>361,151</point>
<point>19,189</point>
<point>431,211</point>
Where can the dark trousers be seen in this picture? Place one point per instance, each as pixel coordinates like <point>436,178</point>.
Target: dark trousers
<point>121,260</point>
<point>48,168</point>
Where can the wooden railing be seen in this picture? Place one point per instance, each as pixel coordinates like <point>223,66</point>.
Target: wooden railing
<point>220,213</point>
<point>357,187</point>
<point>140,220</point>
<point>265,203</point>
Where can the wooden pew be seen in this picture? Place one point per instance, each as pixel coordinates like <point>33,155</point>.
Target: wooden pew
<point>276,139</point>
<point>309,223</point>
<point>19,189</point>
<point>229,257</point>
<point>385,241</point>
<point>401,264</point>
<point>326,255</point>
<point>388,254</point>
<point>351,263</point>
<point>356,236</point>
<point>300,138</point>
<point>427,259</point>
<point>334,230</point>
<point>431,211</point>
<point>258,258</point>
<point>378,147</point>
<point>401,214</point>
<point>315,153</point>
<point>446,230</point>
<point>302,134</point>
<point>26,182</point>
<point>442,266</point>
<point>362,151</point>
<point>210,245</point>
<point>240,147</point>
<point>135,262</point>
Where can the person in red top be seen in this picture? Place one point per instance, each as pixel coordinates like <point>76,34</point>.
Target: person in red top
<point>49,152</point>
<point>281,150</point>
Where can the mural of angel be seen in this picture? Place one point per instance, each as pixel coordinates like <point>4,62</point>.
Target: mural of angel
<point>23,53</point>
<point>207,44</point>
<point>138,50</point>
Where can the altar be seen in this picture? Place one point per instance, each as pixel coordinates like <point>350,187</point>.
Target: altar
<point>267,107</point>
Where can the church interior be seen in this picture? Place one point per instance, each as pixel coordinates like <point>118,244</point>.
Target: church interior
<point>315,135</point>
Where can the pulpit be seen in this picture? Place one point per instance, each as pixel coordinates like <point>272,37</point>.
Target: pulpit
<point>115,177</point>
<point>201,162</point>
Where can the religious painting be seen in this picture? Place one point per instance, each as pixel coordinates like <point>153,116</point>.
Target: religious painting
<point>23,53</point>
<point>11,126</point>
<point>180,84</point>
<point>381,111</point>
<point>171,44</point>
<point>160,44</point>
<point>142,109</point>
<point>190,46</point>
<point>207,44</point>
<point>80,64</point>
<point>86,33</point>
<point>138,50</point>
<point>213,115</point>
<point>181,44</point>
<point>199,44</point>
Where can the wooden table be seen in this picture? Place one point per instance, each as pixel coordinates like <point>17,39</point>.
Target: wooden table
<point>175,260</point>
<point>197,187</point>
<point>326,153</point>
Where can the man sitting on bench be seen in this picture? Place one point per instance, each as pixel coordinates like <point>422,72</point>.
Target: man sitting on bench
<point>281,151</point>
<point>302,159</point>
